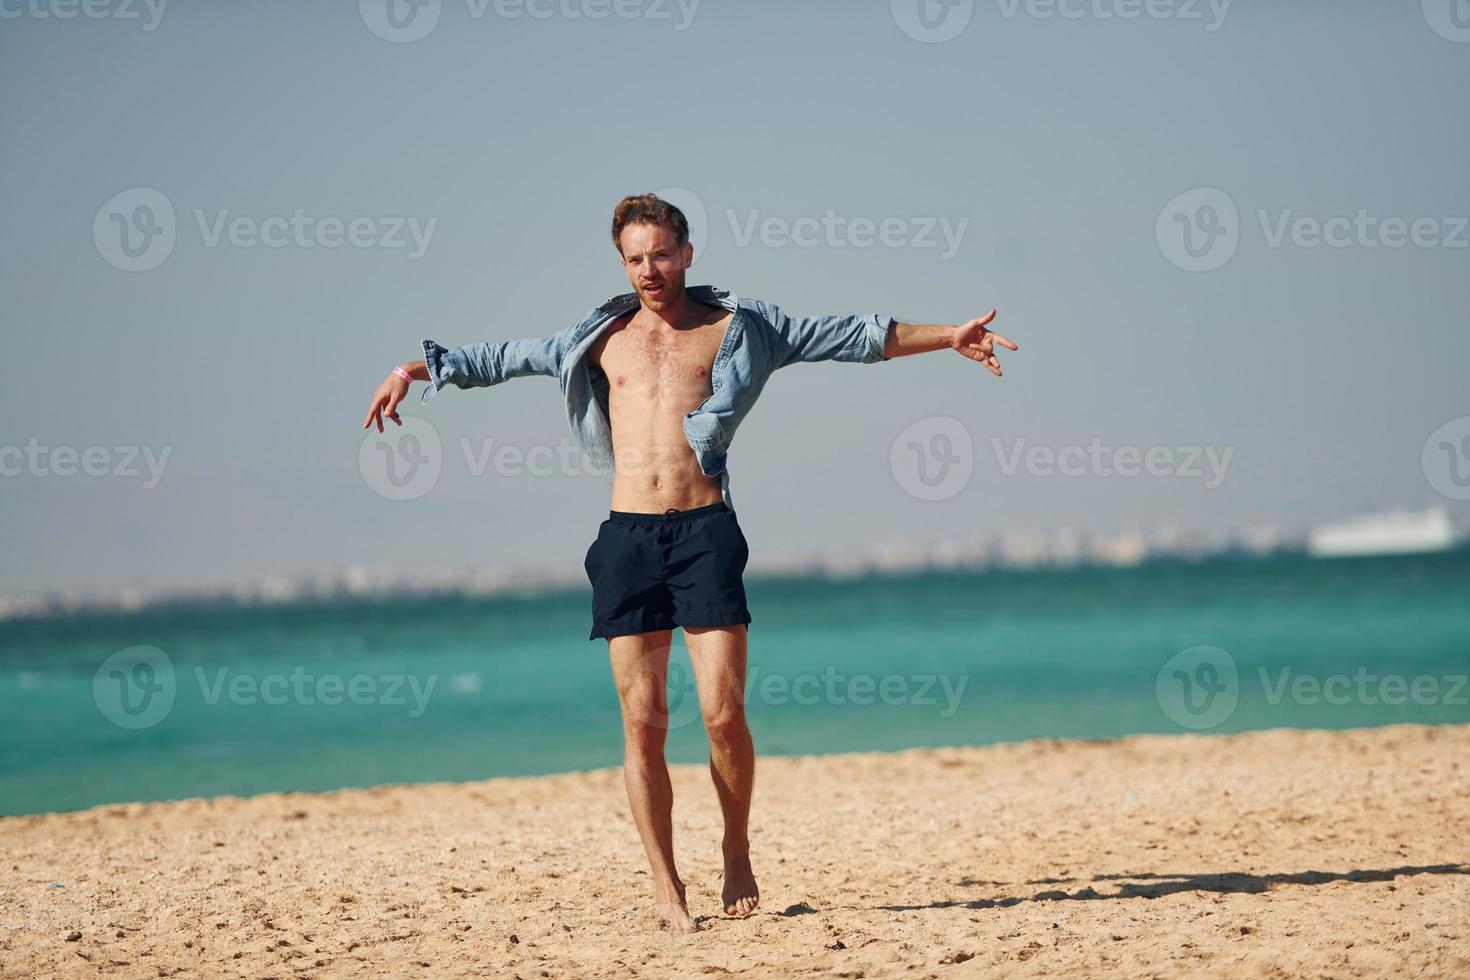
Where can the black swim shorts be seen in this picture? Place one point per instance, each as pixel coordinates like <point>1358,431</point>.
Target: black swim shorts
<point>657,571</point>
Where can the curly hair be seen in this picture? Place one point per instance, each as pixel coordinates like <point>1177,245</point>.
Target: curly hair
<point>648,209</point>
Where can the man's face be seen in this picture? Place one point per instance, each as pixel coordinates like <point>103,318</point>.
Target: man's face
<point>655,263</point>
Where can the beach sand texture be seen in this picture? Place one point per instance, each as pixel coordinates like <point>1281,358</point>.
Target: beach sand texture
<point>1272,854</point>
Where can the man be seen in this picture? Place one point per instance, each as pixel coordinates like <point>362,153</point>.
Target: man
<point>656,383</point>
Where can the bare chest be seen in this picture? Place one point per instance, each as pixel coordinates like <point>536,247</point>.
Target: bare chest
<point>639,358</point>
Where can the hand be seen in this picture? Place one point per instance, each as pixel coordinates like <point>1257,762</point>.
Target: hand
<point>385,401</point>
<point>977,342</point>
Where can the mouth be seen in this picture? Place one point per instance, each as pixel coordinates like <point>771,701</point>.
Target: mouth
<point>653,288</point>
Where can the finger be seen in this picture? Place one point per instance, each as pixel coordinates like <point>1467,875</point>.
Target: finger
<point>994,366</point>
<point>1003,342</point>
<point>984,320</point>
<point>395,418</point>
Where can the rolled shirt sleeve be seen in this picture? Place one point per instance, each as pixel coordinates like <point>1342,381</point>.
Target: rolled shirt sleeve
<point>482,365</point>
<point>854,338</point>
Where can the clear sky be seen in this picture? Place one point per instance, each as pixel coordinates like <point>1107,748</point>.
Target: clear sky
<point>1050,139</point>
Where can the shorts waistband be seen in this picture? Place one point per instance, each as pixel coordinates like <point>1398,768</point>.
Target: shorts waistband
<point>669,515</point>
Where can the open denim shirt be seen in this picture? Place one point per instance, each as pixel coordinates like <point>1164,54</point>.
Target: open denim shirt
<point>759,339</point>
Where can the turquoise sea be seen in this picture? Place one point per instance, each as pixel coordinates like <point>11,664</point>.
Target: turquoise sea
<point>165,704</point>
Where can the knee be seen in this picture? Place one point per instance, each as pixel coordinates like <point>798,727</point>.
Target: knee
<point>725,724</point>
<point>645,727</point>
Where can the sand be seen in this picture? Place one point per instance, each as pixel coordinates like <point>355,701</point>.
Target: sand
<point>1276,854</point>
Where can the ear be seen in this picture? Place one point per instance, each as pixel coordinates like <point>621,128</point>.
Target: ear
<point>688,254</point>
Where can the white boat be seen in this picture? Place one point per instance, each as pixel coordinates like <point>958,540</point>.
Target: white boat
<point>1399,532</point>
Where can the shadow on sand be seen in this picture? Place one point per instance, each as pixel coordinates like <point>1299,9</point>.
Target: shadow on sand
<point>1149,885</point>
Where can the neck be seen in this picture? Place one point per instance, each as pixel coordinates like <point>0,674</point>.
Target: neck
<point>674,312</point>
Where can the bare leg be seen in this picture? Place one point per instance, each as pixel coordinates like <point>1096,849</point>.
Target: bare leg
<point>640,664</point>
<point>718,655</point>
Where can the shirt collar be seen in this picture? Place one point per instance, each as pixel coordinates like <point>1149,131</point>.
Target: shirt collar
<point>712,295</point>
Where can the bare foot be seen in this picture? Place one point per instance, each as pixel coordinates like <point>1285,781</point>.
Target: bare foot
<point>740,895</point>
<point>673,913</point>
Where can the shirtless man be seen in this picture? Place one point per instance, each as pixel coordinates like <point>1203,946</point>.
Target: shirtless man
<point>671,553</point>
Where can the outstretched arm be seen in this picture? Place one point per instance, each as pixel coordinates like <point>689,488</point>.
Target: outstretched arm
<point>974,339</point>
<point>870,339</point>
<point>471,366</point>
